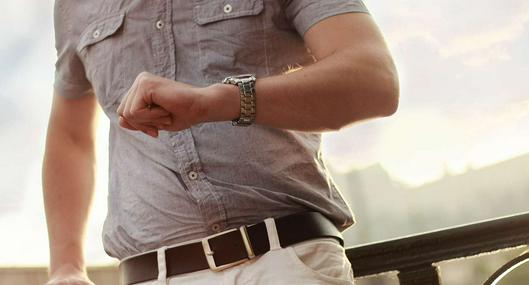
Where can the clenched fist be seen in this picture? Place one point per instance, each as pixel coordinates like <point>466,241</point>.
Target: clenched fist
<point>155,103</point>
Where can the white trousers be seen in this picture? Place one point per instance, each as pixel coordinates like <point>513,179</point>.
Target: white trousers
<point>314,262</point>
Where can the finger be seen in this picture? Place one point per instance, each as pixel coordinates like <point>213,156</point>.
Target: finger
<point>132,89</point>
<point>147,115</point>
<point>121,106</point>
<point>126,109</point>
<point>133,92</point>
<point>125,124</point>
<point>151,131</point>
<point>142,108</point>
<point>164,121</point>
<point>162,127</point>
<point>142,100</point>
<point>163,124</point>
<point>128,113</point>
<point>146,129</point>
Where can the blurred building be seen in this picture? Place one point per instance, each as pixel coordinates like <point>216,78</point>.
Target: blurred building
<point>385,208</point>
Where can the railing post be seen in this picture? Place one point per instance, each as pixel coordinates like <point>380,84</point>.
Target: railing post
<point>420,275</point>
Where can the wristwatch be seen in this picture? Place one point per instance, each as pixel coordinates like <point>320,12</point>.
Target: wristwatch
<point>246,84</point>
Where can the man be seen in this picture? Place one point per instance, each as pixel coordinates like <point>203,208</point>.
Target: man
<point>197,151</point>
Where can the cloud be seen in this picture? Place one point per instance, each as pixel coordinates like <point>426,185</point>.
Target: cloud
<point>26,76</point>
<point>420,145</point>
<point>463,68</point>
<point>22,23</point>
<point>24,239</point>
<point>476,32</point>
<point>488,45</point>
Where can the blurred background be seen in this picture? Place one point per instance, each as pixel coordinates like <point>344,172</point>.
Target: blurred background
<point>457,151</point>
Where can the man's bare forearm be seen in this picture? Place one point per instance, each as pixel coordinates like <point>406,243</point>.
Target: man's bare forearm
<point>328,95</point>
<point>354,79</point>
<point>68,179</point>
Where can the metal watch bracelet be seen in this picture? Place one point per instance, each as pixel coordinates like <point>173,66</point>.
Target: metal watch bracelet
<point>246,84</point>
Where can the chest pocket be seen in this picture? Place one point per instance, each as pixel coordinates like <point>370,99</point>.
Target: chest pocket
<point>231,38</point>
<point>100,49</point>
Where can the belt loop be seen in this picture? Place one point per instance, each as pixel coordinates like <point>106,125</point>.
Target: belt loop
<point>271,230</point>
<point>162,269</point>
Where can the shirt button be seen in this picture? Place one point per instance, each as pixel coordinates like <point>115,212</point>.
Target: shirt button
<point>228,8</point>
<point>216,228</point>
<point>192,175</point>
<point>96,34</point>
<point>159,24</point>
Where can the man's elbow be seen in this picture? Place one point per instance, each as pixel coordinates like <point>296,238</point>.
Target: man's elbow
<point>389,94</point>
<point>379,100</point>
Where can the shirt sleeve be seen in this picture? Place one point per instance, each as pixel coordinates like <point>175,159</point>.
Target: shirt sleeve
<point>70,78</point>
<point>303,14</point>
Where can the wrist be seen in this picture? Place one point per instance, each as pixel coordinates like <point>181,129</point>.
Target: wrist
<point>69,275</point>
<point>222,102</point>
<point>67,262</point>
<point>66,259</point>
<point>67,269</point>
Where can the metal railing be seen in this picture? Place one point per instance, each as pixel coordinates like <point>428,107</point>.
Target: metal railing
<point>414,257</point>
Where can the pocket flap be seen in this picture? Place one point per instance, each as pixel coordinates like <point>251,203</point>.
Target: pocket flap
<point>99,30</point>
<point>226,9</point>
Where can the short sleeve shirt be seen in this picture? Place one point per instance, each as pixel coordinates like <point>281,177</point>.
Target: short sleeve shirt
<point>213,176</point>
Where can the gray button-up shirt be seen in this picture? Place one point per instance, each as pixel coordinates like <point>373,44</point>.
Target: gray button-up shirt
<point>214,176</point>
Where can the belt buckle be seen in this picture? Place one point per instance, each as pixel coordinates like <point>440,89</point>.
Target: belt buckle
<point>210,254</point>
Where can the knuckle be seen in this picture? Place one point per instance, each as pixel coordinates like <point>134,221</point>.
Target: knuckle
<point>134,113</point>
<point>144,78</point>
<point>143,75</point>
<point>127,114</point>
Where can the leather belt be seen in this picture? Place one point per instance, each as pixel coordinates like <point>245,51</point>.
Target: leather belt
<point>228,248</point>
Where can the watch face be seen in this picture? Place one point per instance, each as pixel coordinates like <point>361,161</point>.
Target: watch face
<point>243,76</point>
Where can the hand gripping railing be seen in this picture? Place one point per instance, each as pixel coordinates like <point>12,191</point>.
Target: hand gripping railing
<point>414,257</point>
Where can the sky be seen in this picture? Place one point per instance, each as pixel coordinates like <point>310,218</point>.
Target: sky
<point>464,91</point>
<point>464,104</point>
